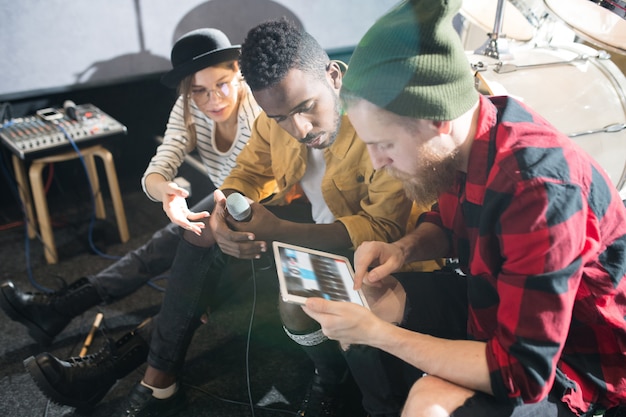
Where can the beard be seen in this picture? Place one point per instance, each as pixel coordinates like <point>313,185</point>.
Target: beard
<point>435,176</point>
<point>332,136</point>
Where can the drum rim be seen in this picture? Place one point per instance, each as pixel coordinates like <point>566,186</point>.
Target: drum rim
<point>583,34</point>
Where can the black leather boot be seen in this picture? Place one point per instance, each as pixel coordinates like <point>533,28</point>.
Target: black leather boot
<point>82,382</point>
<point>45,315</point>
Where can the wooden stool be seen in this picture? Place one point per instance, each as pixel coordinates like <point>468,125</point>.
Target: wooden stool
<point>39,196</point>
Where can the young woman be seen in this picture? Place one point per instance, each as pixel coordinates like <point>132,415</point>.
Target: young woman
<point>214,114</point>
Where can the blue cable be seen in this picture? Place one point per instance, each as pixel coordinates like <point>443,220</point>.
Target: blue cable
<point>93,217</point>
<point>92,195</point>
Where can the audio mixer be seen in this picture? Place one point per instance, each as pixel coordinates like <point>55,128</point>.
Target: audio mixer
<point>51,130</point>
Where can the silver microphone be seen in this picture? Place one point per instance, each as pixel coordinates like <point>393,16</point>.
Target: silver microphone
<point>238,207</point>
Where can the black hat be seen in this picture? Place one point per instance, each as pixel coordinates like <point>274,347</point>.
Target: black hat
<point>196,50</point>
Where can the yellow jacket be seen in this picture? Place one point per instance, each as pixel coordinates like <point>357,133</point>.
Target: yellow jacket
<point>370,204</point>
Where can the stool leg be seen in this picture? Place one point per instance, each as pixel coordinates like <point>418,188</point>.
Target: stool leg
<point>116,196</point>
<point>92,174</point>
<point>24,191</point>
<point>43,216</point>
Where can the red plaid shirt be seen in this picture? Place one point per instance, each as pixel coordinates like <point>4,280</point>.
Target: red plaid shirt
<point>541,232</point>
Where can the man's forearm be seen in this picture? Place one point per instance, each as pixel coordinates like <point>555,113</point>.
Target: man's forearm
<point>317,236</point>
<point>462,362</point>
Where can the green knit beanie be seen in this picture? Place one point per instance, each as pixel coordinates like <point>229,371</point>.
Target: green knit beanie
<point>411,62</point>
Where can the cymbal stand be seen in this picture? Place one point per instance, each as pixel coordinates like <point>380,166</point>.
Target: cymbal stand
<point>497,44</point>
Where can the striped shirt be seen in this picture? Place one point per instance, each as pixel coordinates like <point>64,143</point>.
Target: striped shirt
<point>176,143</point>
<point>541,231</point>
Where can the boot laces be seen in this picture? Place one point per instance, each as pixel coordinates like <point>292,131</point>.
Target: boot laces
<point>48,297</point>
<point>95,363</point>
<point>40,298</point>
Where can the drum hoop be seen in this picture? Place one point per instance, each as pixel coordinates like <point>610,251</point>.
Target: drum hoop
<point>581,33</point>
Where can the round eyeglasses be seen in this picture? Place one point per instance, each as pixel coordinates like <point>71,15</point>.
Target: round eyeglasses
<point>202,96</point>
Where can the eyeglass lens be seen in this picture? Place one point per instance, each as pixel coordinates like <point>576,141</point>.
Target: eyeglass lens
<point>203,96</point>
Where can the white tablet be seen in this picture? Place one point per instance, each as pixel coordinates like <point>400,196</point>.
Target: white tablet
<point>304,273</point>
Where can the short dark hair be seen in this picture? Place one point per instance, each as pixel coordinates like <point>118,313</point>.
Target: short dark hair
<point>273,48</point>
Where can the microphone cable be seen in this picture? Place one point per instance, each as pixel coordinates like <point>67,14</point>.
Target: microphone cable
<point>253,309</point>
<point>250,403</point>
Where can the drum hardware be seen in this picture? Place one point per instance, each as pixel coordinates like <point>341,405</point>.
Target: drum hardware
<point>521,22</point>
<point>505,67</point>
<point>612,128</point>
<point>496,43</point>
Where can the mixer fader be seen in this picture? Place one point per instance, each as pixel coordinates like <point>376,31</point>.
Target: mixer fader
<point>50,131</point>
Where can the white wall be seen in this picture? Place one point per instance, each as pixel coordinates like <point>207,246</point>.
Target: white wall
<point>49,45</point>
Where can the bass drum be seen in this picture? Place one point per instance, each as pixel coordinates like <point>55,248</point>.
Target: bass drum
<point>576,88</point>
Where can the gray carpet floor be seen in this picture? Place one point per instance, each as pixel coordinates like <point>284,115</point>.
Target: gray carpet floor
<point>241,357</point>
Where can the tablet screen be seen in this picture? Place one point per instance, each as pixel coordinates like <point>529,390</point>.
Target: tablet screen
<point>307,273</point>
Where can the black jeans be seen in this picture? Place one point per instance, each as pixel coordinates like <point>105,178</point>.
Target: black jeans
<point>139,266</point>
<point>194,278</point>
